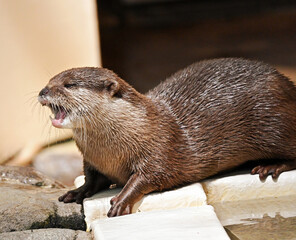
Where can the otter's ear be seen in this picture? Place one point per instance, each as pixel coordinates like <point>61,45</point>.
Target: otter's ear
<point>112,87</point>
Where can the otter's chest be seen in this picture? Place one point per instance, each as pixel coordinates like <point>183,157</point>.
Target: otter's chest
<point>107,160</point>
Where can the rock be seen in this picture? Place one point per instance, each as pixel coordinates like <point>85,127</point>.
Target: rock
<point>24,207</point>
<point>62,162</point>
<point>29,200</point>
<point>26,175</point>
<point>51,233</point>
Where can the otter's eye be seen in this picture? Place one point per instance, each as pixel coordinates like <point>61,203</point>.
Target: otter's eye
<point>70,85</point>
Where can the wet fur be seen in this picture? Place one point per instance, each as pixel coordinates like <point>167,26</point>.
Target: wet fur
<point>209,117</point>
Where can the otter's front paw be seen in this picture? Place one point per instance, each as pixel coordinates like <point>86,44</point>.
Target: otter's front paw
<point>77,195</point>
<point>119,207</point>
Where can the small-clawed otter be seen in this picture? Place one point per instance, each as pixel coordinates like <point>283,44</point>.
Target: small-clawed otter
<point>209,117</point>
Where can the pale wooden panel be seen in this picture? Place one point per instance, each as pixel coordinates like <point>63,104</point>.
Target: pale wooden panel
<point>38,40</point>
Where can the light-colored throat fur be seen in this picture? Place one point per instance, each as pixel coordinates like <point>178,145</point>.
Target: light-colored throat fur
<point>113,136</point>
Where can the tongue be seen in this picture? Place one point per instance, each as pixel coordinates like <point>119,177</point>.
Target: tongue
<point>60,115</point>
<point>59,118</point>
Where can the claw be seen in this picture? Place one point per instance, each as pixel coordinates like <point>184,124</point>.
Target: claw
<point>273,170</point>
<point>76,195</point>
<point>119,208</point>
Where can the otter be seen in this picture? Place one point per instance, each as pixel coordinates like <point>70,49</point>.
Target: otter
<point>210,117</point>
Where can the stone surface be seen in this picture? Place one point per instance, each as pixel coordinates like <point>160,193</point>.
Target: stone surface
<point>29,200</point>
<point>62,162</point>
<point>27,207</point>
<point>44,234</point>
<point>187,223</point>
<point>26,175</point>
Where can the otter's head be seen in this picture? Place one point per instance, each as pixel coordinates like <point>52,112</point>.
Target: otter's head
<point>74,95</point>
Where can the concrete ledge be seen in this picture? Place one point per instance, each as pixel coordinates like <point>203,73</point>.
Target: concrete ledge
<point>193,195</point>
<point>186,224</point>
<point>246,186</point>
<point>185,209</point>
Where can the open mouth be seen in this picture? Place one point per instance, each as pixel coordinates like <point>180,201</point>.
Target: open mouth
<point>60,114</point>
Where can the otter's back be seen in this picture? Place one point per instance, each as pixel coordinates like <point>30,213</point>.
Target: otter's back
<point>227,101</point>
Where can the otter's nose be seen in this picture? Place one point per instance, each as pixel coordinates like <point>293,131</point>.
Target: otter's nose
<point>42,98</point>
<point>44,92</point>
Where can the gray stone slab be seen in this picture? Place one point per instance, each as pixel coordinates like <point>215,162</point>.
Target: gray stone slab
<point>25,207</point>
<point>47,234</point>
<point>28,176</point>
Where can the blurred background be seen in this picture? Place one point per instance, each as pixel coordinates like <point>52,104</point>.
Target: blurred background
<point>144,41</point>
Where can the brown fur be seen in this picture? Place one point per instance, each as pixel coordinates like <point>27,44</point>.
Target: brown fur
<point>210,117</point>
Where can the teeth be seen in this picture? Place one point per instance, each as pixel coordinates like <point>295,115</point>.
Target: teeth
<point>56,109</point>
<point>51,116</point>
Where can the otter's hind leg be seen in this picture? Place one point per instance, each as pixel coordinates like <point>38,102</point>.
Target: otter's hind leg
<point>273,169</point>
<point>94,182</point>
